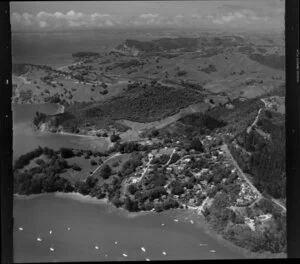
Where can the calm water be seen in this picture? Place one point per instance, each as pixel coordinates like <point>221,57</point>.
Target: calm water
<point>26,138</point>
<point>55,49</point>
<point>92,225</point>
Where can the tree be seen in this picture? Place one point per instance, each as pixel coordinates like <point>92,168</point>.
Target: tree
<point>196,145</point>
<point>131,205</point>
<point>114,138</point>
<point>105,171</point>
<point>91,181</point>
<point>132,188</point>
<point>66,153</point>
<point>174,158</point>
<point>154,133</point>
<point>268,114</point>
<point>177,188</point>
<point>93,162</point>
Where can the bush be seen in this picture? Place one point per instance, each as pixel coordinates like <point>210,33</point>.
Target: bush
<point>155,193</point>
<point>91,181</point>
<point>177,188</point>
<point>131,205</point>
<point>40,162</point>
<point>114,138</point>
<point>24,160</point>
<point>154,133</point>
<point>170,203</point>
<point>128,147</point>
<point>158,207</point>
<point>174,158</point>
<point>132,189</point>
<point>196,145</point>
<point>131,165</point>
<point>268,114</point>
<point>66,153</point>
<point>105,171</point>
<point>93,162</point>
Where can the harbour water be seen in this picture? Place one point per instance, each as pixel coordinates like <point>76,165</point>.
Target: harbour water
<point>84,230</point>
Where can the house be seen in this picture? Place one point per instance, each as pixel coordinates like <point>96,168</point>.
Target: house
<point>264,217</point>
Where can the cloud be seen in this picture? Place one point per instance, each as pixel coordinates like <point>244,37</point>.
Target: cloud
<point>58,20</point>
<point>149,19</point>
<point>239,15</point>
<point>149,16</point>
<point>225,16</point>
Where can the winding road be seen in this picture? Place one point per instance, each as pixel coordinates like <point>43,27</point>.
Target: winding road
<point>113,156</point>
<point>224,147</point>
<point>241,173</point>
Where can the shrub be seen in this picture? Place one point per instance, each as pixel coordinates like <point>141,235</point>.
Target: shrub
<point>170,203</point>
<point>40,162</point>
<point>131,205</point>
<point>158,207</point>
<point>154,133</point>
<point>132,189</point>
<point>66,153</point>
<point>177,188</point>
<point>174,158</point>
<point>114,138</point>
<point>196,145</point>
<point>105,171</point>
<point>93,162</point>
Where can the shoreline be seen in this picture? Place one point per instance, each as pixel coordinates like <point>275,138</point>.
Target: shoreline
<point>199,220</point>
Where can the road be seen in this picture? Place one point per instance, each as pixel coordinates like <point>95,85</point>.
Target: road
<point>149,162</point>
<point>254,123</point>
<point>279,204</point>
<point>115,155</point>
<point>240,172</point>
<point>174,150</point>
<point>146,168</point>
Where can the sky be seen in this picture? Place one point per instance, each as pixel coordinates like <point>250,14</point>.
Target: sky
<point>58,16</point>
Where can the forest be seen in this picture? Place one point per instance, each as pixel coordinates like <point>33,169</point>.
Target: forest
<point>267,162</point>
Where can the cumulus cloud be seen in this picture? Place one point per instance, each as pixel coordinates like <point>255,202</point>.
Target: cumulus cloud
<point>58,20</point>
<point>150,19</point>
<point>226,15</point>
<point>149,16</point>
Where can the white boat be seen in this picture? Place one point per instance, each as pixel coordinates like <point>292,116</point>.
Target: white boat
<point>39,239</point>
<point>96,247</point>
<point>163,224</point>
<point>51,249</point>
<point>164,253</point>
<point>106,255</point>
<point>212,251</point>
<point>50,232</point>
<point>116,242</point>
<point>125,255</point>
<point>192,222</point>
<point>175,220</point>
<point>21,228</point>
<point>143,249</point>
<point>68,228</point>
<point>202,245</point>
<point>147,259</point>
